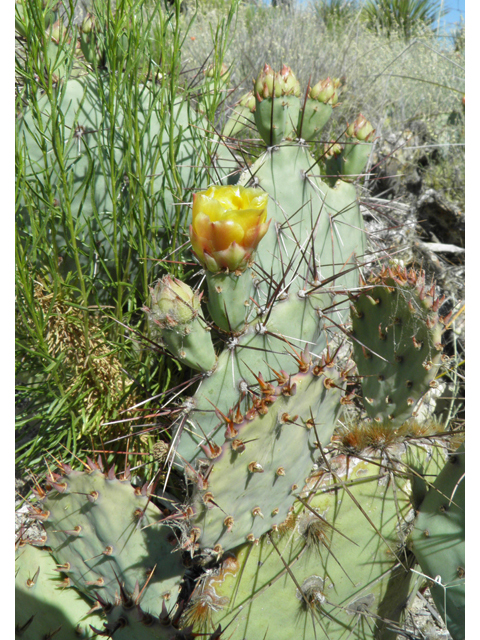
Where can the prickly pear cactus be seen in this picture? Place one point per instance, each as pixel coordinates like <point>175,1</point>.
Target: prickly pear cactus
<point>302,263</point>
<point>338,565</point>
<point>297,528</point>
<point>256,472</point>
<point>399,355</point>
<point>94,179</point>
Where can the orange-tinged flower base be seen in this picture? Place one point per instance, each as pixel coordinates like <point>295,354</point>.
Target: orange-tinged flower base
<point>227,225</point>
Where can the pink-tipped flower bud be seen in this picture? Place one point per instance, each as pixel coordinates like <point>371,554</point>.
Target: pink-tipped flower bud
<point>290,86</point>
<point>57,31</point>
<point>268,83</point>
<point>325,91</point>
<point>332,149</point>
<point>88,23</point>
<point>248,100</point>
<point>361,129</point>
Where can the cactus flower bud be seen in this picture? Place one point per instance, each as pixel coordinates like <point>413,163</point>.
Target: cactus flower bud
<point>173,303</point>
<point>57,31</point>
<point>209,72</point>
<point>332,149</point>
<point>325,91</point>
<point>248,100</point>
<point>174,317</point>
<point>88,23</point>
<point>361,129</point>
<point>267,83</point>
<point>227,225</point>
<point>289,83</point>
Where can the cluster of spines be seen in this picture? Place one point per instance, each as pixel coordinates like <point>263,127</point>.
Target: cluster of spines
<point>268,392</point>
<point>126,611</point>
<point>402,276</point>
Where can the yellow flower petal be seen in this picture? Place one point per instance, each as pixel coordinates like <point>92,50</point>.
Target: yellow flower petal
<point>203,205</point>
<point>254,235</point>
<point>202,226</point>
<point>247,218</point>
<point>226,232</point>
<point>197,244</point>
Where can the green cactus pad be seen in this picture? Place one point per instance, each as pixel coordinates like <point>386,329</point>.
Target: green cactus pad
<point>354,159</point>
<point>45,597</point>
<point>304,264</point>
<point>396,342</point>
<point>265,458</point>
<point>103,529</point>
<point>351,566</point>
<point>270,120</point>
<point>438,542</point>
<point>313,118</point>
<point>241,116</point>
<point>229,299</point>
<point>310,217</point>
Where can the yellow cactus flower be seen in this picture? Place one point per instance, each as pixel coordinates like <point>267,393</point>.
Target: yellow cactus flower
<point>227,225</point>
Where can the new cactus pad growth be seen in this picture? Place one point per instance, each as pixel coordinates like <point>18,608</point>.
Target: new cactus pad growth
<point>286,524</point>
<point>174,318</point>
<point>319,103</point>
<point>277,104</point>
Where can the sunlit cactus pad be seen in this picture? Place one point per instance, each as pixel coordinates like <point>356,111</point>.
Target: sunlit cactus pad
<point>249,481</point>
<point>99,527</point>
<point>438,541</point>
<point>337,567</point>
